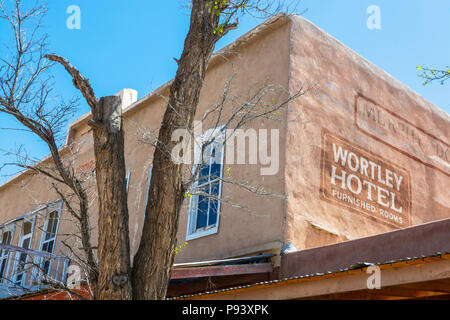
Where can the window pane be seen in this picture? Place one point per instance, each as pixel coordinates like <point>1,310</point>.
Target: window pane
<point>206,154</point>
<point>212,219</point>
<point>211,169</point>
<point>215,189</point>
<point>54,219</point>
<point>216,163</point>
<point>204,174</point>
<point>216,155</point>
<point>48,246</point>
<point>215,170</point>
<point>26,227</point>
<point>19,278</point>
<point>26,243</point>
<point>51,225</point>
<point>22,260</point>
<point>3,267</point>
<point>46,266</point>
<point>202,211</point>
<point>48,233</point>
<point>6,238</point>
<point>212,154</point>
<point>213,204</point>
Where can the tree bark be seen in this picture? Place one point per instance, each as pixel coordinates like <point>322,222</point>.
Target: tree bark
<point>114,281</point>
<point>114,267</point>
<point>152,265</point>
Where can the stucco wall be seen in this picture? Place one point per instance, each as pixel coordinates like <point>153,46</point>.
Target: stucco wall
<point>363,110</point>
<point>28,193</point>
<point>253,61</point>
<point>352,104</point>
<point>239,232</point>
<point>262,59</point>
<point>260,226</point>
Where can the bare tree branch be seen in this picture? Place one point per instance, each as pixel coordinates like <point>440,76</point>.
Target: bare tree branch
<point>79,81</point>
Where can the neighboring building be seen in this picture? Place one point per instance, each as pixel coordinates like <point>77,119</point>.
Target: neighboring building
<point>366,166</point>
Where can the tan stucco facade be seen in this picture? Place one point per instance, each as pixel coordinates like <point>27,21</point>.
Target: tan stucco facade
<point>352,104</point>
<point>363,110</point>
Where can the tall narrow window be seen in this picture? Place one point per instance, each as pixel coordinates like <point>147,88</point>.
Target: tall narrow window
<point>205,202</point>
<point>49,237</point>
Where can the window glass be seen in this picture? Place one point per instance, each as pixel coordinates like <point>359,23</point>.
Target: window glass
<point>206,201</point>
<point>6,237</point>
<point>50,230</point>
<point>48,246</point>
<point>26,227</point>
<point>52,223</point>
<point>214,203</point>
<point>3,267</point>
<point>49,238</point>
<point>202,211</point>
<point>26,243</point>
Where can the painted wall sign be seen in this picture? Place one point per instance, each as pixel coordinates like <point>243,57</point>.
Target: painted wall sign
<point>363,182</point>
<point>389,128</point>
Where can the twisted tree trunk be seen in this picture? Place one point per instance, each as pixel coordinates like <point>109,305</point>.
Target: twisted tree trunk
<point>152,265</point>
<point>114,268</point>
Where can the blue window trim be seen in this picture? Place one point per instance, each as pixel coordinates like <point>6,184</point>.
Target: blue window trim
<point>192,231</point>
<point>51,208</point>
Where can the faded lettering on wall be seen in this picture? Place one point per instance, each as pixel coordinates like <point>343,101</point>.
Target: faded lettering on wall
<point>389,128</point>
<point>364,182</point>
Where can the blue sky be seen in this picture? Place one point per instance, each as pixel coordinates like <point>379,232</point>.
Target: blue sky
<point>131,44</point>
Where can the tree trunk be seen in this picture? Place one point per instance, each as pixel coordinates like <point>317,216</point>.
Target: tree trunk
<point>114,268</point>
<point>86,242</point>
<point>114,281</point>
<point>153,261</point>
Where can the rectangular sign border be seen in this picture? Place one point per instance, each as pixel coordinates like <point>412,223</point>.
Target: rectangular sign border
<point>339,204</point>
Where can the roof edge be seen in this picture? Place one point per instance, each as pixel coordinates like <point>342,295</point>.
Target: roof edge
<point>215,59</point>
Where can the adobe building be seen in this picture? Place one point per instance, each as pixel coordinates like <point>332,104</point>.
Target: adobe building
<point>365,174</point>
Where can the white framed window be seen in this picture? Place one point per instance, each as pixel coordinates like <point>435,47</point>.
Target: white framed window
<point>49,232</point>
<point>25,241</point>
<point>204,206</point>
